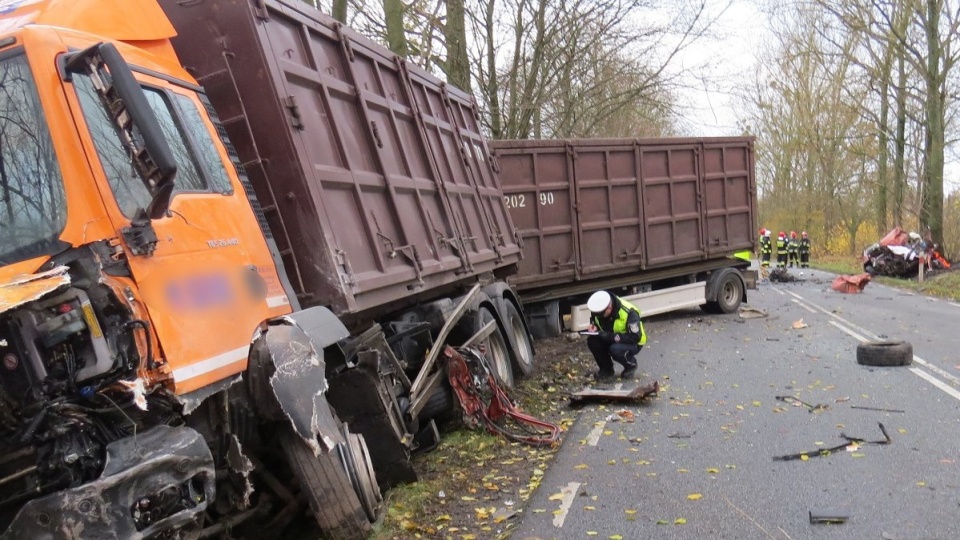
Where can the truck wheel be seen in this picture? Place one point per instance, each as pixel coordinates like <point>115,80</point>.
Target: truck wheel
<point>520,347</point>
<point>497,353</point>
<point>885,353</point>
<point>729,295</point>
<point>327,486</point>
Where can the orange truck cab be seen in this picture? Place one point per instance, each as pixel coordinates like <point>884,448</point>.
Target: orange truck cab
<point>136,286</point>
<point>178,359</point>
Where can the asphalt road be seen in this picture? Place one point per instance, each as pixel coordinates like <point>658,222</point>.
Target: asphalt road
<point>698,460</point>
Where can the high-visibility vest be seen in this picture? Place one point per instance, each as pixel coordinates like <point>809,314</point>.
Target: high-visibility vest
<point>620,323</point>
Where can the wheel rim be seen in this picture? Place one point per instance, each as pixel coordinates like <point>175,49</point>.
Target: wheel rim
<point>356,460</point>
<point>496,354</point>
<point>729,294</point>
<point>520,337</point>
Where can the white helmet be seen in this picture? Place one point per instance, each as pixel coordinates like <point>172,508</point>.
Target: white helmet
<point>598,301</point>
<point>767,233</point>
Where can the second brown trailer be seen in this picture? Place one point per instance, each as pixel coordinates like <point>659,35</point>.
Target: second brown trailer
<point>642,215</point>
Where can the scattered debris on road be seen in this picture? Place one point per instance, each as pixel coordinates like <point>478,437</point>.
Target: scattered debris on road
<point>800,403</point>
<point>828,516</point>
<point>614,394</point>
<point>747,312</point>
<point>850,284</point>
<point>852,444</point>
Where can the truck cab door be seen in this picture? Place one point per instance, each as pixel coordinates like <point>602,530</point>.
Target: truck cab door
<point>203,269</point>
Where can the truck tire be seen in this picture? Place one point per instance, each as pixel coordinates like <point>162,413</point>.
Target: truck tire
<point>544,319</point>
<point>327,487</point>
<point>520,347</point>
<point>729,294</point>
<point>885,353</point>
<point>497,351</point>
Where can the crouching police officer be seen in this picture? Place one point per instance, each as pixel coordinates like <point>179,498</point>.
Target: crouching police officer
<point>620,334</point>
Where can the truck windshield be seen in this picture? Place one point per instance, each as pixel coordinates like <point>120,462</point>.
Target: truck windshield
<point>33,209</point>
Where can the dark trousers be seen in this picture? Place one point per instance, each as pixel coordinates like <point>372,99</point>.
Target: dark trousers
<point>765,259</point>
<point>782,260</point>
<point>604,353</point>
<point>804,260</point>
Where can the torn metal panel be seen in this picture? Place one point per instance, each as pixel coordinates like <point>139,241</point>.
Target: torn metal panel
<point>616,394</point>
<point>240,468</point>
<point>190,401</point>
<point>29,287</point>
<point>299,383</point>
<point>159,480</point>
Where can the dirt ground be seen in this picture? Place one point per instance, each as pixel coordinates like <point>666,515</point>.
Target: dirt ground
<point>474,484</point>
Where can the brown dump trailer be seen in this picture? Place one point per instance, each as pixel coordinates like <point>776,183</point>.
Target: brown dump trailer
<point>660,217</point>
<point>372,174</point>
<point>375,184</point>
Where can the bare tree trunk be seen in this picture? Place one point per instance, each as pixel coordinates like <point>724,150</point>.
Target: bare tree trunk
<point>493,78</point>
<point>339,10</point>
<point>900,142</point>
<point>931,215</point>
<point>883,151</point>
<point>393,11</point>
<point>455,32</point>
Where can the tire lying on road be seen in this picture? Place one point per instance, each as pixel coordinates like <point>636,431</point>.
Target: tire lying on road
<point>885,353</point>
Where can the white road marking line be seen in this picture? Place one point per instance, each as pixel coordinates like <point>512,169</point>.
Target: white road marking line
<point>804,306</point>
<point>954,304</point>
<point>846,330</point>
<point>952,392</point>
<point>945,374</point>
<point>594,436</point>
<point>569,492</point>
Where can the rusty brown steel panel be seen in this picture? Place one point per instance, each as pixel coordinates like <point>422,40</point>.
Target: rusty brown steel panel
<point>672,189</point>
<point>729,200</point>
<point>635,205</point>
<point>609,207</point>
<point>538,190</point>
<point>362,163</point>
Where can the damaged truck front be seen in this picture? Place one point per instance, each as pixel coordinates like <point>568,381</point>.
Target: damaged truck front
<point>171,368</point>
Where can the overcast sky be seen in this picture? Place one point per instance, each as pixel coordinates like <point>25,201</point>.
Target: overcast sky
<point>712,67</point>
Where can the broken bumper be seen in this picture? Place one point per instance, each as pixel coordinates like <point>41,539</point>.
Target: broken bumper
<point>159,480</point>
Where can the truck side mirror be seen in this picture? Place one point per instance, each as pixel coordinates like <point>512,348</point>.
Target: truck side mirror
<point>137,125</point>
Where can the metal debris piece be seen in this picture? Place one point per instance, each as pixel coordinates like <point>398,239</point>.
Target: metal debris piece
<point>615,394</point>
<point>747,312</point>
<point>828,516</point>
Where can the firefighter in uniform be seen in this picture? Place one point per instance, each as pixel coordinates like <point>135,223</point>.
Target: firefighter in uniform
<point>793,249</point>
<point>804,250</point>
<point>619,334</point>
<point>781,250</point>
<point>766,248</point>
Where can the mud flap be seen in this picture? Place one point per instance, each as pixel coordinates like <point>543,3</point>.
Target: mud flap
<point>299,380</point>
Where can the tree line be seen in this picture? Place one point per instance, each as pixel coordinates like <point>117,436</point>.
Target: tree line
<point>852,102</point>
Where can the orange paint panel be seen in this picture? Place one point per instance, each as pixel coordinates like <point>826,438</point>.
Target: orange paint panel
<point>23,289</point>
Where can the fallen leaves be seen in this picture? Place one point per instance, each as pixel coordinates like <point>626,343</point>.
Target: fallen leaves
<point>694,497</point>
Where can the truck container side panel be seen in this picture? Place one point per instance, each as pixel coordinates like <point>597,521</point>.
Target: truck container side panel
<point>478,155</point>
<point>671,188</point>
<point>464,173</point>
<point>335,139</point>
<point>640,205</point>
<point>608,200</point>
<point>538,190</point>
<point>379,176</point>
<point>728,201</point>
